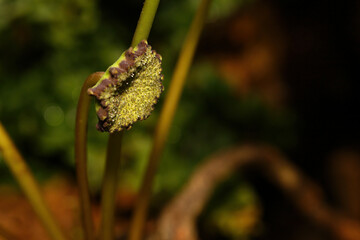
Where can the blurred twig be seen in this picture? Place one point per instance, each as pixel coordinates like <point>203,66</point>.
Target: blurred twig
<point>6,235</point>
<point>27,182</point>
<point>166,117</point>
<point>178,220</point>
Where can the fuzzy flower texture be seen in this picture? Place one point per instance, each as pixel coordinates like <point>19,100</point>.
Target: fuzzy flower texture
<point>129,89</point>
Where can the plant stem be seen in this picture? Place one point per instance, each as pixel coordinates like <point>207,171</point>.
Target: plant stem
<point>81,126</point>
<point>166,117</point>
<point>145,21</point>
<point>113,151</point>
<point>27,182</point>
<point>109,186</point>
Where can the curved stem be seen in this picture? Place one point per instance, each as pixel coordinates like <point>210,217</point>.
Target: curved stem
<point>81,152</point>
<point>166,117</point>
<point>27,182</point>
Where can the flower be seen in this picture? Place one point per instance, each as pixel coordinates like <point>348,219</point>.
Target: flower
<point>129,89</point>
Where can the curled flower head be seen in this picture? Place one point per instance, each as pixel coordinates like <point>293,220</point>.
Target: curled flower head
<point>129,89</point>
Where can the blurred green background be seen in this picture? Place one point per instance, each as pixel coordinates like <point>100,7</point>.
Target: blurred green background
<point>242,87</point>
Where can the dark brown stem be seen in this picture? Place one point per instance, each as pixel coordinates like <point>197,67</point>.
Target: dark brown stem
<point>81,154</point>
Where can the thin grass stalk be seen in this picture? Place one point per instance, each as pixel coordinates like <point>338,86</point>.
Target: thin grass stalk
<point>28,184</point>
<point>81,126</point>
<point>166,117</point>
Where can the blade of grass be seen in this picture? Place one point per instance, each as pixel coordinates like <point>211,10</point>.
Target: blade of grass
<point>113,151</point>
<point>166,117</point>
<point>81,126</point>
<point>27,182</point>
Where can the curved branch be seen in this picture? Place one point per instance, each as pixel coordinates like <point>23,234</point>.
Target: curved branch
<point>178,220</point>
<point>81,126</point>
